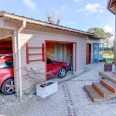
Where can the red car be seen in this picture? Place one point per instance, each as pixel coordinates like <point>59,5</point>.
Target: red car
<point>57,69</point>
<point>7,74</point>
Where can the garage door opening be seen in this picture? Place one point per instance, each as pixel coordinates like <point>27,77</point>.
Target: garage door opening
<point>59,58</point>
<point>6,66</point>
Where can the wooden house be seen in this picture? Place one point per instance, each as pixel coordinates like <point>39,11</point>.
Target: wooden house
<point>32,41</point>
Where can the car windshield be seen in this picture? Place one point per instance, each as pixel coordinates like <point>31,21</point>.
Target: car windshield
<point>49,61</point>
<point>7,64</point>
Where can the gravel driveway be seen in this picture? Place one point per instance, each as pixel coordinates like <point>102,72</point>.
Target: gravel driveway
<point>70,100</point>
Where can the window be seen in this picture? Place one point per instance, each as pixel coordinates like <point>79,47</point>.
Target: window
<point>7,64</point>
<point>49,62</point>
<point>2,65</point>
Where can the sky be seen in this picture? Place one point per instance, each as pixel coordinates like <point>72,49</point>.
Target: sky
<point>77,14</point>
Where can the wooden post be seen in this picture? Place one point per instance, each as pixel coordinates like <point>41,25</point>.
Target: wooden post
<point>43,59</point>
<point>15,60</point>
<point>27,53</point>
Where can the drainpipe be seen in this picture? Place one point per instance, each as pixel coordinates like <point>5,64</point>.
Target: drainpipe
<point>19,57</point>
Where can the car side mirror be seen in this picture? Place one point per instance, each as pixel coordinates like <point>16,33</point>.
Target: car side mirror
<point>53,62</point>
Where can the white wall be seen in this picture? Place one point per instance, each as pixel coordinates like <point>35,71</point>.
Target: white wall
<point>36,38</point>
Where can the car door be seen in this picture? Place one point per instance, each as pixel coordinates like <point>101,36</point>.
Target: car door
<point>51,67</point>
<point>9,66</point>
<point>6,70</point>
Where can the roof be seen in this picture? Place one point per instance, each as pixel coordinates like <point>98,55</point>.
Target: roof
<point>108,6</point>
<point>45,24</point>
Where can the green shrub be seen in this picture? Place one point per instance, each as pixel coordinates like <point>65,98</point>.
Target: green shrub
<point>107,62</point>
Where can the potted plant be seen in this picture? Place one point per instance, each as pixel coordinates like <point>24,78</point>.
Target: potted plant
<point>107,66</point>
<point>44,88</point>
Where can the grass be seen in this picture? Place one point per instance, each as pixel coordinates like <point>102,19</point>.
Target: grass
<point>109,57</point>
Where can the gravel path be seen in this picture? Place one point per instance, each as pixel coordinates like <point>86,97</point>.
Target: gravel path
<point>70,100</point>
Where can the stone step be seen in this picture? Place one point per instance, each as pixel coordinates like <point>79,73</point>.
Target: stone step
<point>93,94</point>
<point>109,84</point>
<point>105,92</point>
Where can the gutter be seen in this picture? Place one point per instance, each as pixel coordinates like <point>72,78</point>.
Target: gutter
<point>19,56</point>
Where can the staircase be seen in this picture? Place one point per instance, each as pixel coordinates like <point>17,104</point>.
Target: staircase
<point>101,91</point>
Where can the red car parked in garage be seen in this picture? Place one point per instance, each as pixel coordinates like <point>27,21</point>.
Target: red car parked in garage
<point>57,69</point>
<point>7,74</point>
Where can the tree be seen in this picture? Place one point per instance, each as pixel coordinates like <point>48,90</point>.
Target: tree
<point>53,18</point>
<point>100,32</point>
<point>109,35</point>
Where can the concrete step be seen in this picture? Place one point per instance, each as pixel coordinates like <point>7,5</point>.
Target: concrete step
<point>94,94</point>
<point>109,84</point>
<point>105,92</point>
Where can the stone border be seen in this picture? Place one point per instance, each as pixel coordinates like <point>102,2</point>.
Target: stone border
<point>69,102</point>
<point>84,80</point>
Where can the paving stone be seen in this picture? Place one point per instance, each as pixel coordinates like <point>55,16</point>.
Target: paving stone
<point>56,105</point>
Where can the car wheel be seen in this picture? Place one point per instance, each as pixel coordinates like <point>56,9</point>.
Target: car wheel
<point>8,86</point>
<point>61,72</point>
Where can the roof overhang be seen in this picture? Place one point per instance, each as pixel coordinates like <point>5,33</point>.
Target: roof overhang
<point>112,6</point>
<point>45,24</point>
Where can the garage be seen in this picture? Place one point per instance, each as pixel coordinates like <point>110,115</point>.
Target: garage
<point>60,57</point>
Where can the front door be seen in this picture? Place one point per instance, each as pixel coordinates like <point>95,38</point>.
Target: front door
<point>88,53</point>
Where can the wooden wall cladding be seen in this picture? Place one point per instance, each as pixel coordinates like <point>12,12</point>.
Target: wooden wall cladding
<point>50,50</point>
<point>6,46</point>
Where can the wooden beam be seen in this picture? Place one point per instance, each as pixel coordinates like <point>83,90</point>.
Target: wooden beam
<point>35,60</point>
<point>1,45</point>
<point>36,54</point>
<point>3,48</point>
<point>5,52</point>
<point>27,53</point>
<point>43,52</point>
<point>34,47</point>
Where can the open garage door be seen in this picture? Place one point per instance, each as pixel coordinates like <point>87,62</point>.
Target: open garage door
<point>60,58</point>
